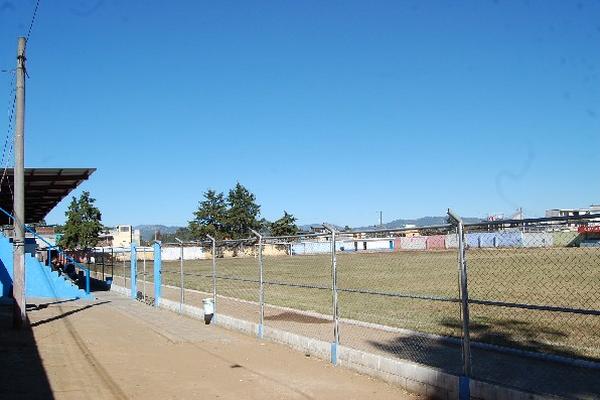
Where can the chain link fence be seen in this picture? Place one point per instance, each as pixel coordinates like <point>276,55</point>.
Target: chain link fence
<point>534,293</point>
<point>297,285</point>
<point>399,295</point>
<point>510,302</point>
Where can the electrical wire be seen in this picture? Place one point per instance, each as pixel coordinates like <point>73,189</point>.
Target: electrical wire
<point>7,151</point>
<point>33,18</point>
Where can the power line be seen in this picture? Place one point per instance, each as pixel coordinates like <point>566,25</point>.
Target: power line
<point>4,175</point>
<point>9,152</point>
<point>12,107</point>
<point>7,141</point>
<point>35,10</point>
<point>8,133</point>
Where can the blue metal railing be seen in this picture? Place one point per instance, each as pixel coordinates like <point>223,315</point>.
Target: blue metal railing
<point>58,249</point>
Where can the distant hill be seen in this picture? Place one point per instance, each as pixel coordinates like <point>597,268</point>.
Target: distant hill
<point>306,228</point>
<point>147,231</point>
<point>419,222</point>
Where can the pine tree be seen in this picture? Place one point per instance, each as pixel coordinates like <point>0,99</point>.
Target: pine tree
<point>210,218</point>
<point>83,223</point>
<point>242,214</point>
<point>284,226</point>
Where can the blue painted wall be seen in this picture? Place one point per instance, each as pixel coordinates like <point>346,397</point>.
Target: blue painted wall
<point>509,239</point>
<point>6,268</point>
<point>40,280</point>
<point>472,239</point>
<point>495,239</point>
<point>487,239</point>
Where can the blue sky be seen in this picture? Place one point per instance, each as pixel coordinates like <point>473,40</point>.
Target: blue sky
<point>330,110</point>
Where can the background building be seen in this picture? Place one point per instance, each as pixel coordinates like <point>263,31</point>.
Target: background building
<point>573,212</point>
<point>120,236</point>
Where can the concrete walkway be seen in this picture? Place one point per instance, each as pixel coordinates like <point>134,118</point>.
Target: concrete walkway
<point>116,348</point>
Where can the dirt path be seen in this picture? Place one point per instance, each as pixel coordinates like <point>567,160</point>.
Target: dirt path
<point>512,369</point>
<point>116,348</point>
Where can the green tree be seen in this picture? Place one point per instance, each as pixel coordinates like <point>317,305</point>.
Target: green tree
<point>284,226</point>
<point>242,213</point>
<point>181,233</point>
<point>264,227</point>
<point>83,224</point>
<point>210,218</point>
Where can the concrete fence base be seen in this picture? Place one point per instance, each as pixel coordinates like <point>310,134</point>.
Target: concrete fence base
<point>426,381</point>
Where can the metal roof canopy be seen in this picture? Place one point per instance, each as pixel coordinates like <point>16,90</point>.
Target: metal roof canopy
<point>44,189</point>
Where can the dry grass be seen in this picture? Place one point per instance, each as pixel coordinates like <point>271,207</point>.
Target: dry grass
<point>567,277</point>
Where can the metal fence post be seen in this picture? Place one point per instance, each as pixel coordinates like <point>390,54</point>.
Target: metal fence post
<point>181,290</point>
<point>261,288</point>
<point>144,263</point>
<point>112,263</point>
<point>157,272</point>
<point>334,294</point>
<point>124,269</point>
<point>133,263</point>
<point>214,275</point>
<point>464,380</point>
<point>103,265</point>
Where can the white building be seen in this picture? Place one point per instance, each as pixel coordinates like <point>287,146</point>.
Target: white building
<point>573,212</point>
<point>122,236</point>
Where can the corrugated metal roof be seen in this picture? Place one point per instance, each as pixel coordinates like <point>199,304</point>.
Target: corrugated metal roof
<point>44,189</point>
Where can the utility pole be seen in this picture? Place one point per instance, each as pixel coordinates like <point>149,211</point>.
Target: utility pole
<point>19,315</point>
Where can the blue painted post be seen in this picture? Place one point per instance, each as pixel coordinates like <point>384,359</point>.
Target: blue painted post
<point>87,281</point>
<point>133,259</point>
<point>464,387</point>
<point>157,276</point>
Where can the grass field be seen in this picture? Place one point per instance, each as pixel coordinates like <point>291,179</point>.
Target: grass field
<point>566,277</point>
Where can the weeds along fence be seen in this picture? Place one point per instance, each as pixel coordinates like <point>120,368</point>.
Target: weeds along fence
<point>509,302</point>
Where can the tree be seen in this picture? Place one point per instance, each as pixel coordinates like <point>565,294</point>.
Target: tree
<point>242,213</point>
<point>210,218</point>
<point>284,226</point>
<point>181,234</point>
<point>264,227</point>
<point>83,223</point>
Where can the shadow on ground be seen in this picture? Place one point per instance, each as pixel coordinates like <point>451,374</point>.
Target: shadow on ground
<point>514,370</point>
<point>296,317</point>
<point>66,313</point>
<point>23,375</point>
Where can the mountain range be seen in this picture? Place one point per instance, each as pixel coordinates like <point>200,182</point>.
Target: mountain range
<point>419,222</point>
<point>147,231</point>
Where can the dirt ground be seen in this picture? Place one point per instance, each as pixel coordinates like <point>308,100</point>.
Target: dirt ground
<point>519,371</point>
<point>116,348</point>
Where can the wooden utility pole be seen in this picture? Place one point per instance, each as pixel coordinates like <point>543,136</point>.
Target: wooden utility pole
<point>19,314</point>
